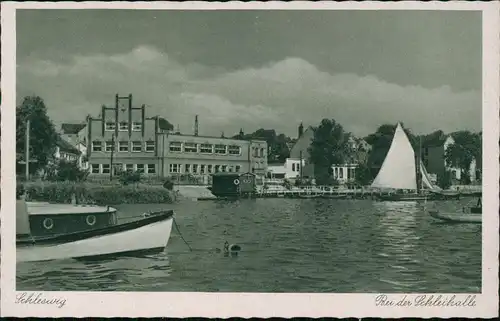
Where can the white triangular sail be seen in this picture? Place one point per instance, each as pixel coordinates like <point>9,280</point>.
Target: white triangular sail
<point>398,170</point>
<point>426,181</point>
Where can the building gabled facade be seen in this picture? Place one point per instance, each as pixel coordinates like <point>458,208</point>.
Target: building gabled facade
<point>433,157</point>
<point>136,142</point>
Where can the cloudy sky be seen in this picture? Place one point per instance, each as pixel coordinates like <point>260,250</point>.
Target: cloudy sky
<point>253,69</point>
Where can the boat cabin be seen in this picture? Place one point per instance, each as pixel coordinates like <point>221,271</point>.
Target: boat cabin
<point>233,184</point>
<point>44,219</point>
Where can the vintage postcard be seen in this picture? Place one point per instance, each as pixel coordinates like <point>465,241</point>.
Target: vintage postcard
<point>304,159</point>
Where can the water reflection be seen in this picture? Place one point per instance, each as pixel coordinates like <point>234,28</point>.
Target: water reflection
<point>287,246</point>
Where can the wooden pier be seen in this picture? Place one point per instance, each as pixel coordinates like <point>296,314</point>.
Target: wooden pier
<point>325,194</point>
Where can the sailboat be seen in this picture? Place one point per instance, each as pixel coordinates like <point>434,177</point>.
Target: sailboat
<point>399,172</point>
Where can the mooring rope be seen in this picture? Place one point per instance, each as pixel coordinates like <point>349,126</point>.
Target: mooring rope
<point>180,234</point>
<point>175,224</point>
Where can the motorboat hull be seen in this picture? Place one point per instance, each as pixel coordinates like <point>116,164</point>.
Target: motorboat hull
<point>445,195</point>
<point>148,234</point>
<point>457,217</point>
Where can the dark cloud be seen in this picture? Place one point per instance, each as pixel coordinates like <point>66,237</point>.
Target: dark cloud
<point>258,69</point>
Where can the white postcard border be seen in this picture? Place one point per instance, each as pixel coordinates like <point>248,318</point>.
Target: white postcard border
<point>185,304</point>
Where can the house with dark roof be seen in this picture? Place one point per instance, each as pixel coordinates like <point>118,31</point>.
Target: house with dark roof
<point>75,134</point>
<point>433,157</point>
<point>300,152</point>
<point>68,128</point>
<point>66,151</point>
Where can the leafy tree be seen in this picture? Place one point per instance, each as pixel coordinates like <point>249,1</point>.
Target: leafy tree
<point>277,144</point>
<point>66,171</point>
<point>467,147</point>
<point>444,179</point>
<point>330,145</point>
<point>43,136</point>
<point>363,175</point>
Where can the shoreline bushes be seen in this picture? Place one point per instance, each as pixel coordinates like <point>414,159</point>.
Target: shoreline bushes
<point>92,193</point>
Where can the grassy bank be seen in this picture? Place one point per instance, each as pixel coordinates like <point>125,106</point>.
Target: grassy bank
<point>94,193</point>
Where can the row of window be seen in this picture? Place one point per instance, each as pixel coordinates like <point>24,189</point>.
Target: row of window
<point>203,168</point>
<point>219,149</point>
<point>338,172</point>
<point>105,168</point>
<point>123,146</point>
<point>123,126</point>
<point>259,165</point>
<point>295,167</point>
<point>258,152</point>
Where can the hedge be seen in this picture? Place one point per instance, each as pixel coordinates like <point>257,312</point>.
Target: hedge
<point>92,193</point>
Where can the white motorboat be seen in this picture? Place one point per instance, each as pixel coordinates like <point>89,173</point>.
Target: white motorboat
<point>59,231</point>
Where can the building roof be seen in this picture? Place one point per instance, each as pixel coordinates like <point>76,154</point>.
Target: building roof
<point>68,128</point>
<point>67,147</point>
<point>216,137</point>
<point>302,144</point>
<point>434,140</point>
<point>229,174</point>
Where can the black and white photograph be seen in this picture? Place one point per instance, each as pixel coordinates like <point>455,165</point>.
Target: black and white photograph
<point>166,151</point>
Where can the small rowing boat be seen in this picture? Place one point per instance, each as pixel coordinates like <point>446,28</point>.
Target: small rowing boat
<point>470,215</point>
<point>456,217</point>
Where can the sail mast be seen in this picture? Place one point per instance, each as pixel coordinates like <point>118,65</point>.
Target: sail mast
<point>418,173</point>
<point>420,163</point>
<point>27,150</point>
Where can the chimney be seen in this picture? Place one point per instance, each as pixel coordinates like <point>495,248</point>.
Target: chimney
<point>241,133</point>
<point>196,125</point>
<point>301,130</point>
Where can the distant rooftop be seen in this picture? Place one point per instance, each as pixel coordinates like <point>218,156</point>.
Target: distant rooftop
<point>302,145</point>
<point>67,147</point>
<point>68,128</point>
<point>434,139</point>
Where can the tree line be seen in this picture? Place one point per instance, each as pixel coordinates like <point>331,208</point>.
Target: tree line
<point>331,144</point>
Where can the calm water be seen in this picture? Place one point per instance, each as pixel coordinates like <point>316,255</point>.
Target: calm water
<point>288,246</point>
